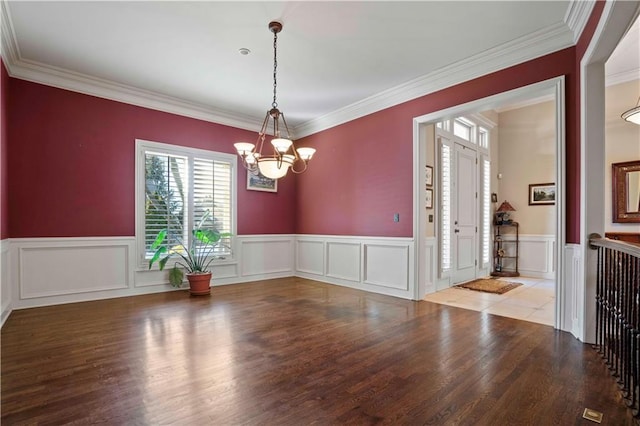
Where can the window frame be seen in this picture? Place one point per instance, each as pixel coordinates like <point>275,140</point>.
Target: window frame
<point>141,147</point>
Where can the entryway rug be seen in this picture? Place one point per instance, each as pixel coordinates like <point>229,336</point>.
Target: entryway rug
<point>490,285</point>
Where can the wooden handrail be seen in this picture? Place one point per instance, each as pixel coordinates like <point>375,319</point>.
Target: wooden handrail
<point>596,241</point>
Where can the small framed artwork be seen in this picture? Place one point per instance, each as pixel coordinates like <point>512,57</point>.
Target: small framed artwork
<point>542,194</point>
<point>494,197</point>
<point>428,175</point>
<point>260,182</point>
<point>429,198</point>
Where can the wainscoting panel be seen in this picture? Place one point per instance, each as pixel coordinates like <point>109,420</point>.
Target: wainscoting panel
<point>47,269</point>
<point>387,266</point>
<point>380,265</point>
<point>266,255</point>
<point>573,291</point>
<point>429,263</point>
<point>5,282</point>
<point>537,254</point>
<point>343,261</point>
<point>50,271</point>
<point>310,256</point>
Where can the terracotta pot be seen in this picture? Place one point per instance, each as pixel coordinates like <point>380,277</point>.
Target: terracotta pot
<point>199,284</point>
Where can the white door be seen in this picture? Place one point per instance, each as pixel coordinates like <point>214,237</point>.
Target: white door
<point>464,215</point>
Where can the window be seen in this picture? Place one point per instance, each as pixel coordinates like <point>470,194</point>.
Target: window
<point>179,188</point>
<point>463,129</point>
<point>483,137</point>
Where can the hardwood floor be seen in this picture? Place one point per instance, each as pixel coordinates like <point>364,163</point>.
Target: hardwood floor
<point>294,351</point>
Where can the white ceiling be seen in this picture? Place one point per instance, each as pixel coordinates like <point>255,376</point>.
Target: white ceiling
<point>336,60</point>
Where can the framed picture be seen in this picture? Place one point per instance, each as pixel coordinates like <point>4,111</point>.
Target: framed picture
<point>261,183</point>
<point>494,197</point>
<point>429,199</point>
<point>542,194</point>
<point>428,175</point>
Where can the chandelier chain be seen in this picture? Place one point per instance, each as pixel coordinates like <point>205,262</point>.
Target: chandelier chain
<point>274,104</point>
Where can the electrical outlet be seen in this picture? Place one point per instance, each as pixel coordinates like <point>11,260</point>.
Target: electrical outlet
<point>396,217</point>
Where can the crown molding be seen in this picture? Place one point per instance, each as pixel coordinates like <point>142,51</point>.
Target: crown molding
<point>520,50</point>
<point>9,48</point>
<point>577,15</point>
<point>542,42</point>
<point>88,85</point>
<point>622,77</point>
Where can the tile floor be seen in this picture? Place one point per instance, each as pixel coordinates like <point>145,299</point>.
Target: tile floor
<point>534,301</point>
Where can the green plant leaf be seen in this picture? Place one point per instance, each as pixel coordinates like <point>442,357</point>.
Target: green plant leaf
<point>157,255</point>
<point>175,277</point>
<point>207,236</point>
<point>159,239</point>
<point>163,262</point>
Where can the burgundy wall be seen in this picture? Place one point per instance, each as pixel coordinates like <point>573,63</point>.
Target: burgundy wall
<point>4,176</point>
<point>363,171</point>
<point>71,162</point>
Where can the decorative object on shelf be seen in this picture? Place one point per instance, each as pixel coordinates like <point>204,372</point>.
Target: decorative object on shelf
<point>428,175</point>
<point>503,212</point>
<point>633,115</point>
<point>259,182</point>
<point>505,250</point>
<point>429,198</point>
<point>285,156</point>
<point>542,194</point>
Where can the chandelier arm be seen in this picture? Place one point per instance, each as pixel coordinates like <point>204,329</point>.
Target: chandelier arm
<point>263,131</point>
<point>293,168</point>
<point>286,127</point>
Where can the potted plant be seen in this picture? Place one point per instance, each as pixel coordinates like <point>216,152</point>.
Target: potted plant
<point>194,259</point>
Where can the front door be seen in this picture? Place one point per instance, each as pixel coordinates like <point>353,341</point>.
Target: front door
<point>464,214</point>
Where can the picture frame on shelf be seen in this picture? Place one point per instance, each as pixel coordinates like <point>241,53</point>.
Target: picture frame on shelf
<point>428,175</point>
<point>260,182</point>
<point>542,194</point>
<point>429,198</point>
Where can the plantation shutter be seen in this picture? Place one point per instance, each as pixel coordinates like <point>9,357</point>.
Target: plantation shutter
<point>212,197</point>
<point>445,206</point>
<point>486,210</point>
<point>166,195</point>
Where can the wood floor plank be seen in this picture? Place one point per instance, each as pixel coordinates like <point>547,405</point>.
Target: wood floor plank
<point>293,351</point>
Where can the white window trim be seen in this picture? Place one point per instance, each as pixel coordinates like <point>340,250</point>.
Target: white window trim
<point>144,145</point>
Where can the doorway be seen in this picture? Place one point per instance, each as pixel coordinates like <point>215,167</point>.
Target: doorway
<point>428,246</point>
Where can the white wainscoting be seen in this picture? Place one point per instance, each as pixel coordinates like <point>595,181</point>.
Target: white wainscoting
<point>536,255</point>
<point>6,298</point>
<point>573,291</point>
<point>382,265</point>
<point>49,271</point>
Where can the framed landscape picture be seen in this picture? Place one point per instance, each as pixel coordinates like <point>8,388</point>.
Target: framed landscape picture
<point>541,194</point>
<point>261,183</point>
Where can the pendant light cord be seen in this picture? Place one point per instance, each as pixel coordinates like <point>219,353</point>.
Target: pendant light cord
<point>274,104</point>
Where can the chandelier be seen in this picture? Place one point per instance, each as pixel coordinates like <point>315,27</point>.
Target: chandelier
<point>633,115</point>
<point>285,156</point>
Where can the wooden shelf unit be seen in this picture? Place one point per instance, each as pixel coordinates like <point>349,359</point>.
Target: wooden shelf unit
<point>505,246</point>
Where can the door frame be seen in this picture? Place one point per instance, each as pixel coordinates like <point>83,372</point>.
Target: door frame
<point>617,16</point>
<point>425,257</point>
